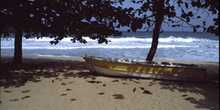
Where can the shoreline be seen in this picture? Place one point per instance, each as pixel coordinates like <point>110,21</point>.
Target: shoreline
<point>80,58</point>
<point>174,61</point>
<point>212,68</point>
<point>67,83</point>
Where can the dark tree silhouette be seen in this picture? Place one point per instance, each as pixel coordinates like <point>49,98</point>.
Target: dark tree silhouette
<point>61,18</point>
<point>175,13</point>
<point>98,19</point>
<point>212,8</point>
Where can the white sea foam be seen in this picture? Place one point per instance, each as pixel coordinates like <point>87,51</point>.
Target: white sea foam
<point>120,39</point>
<point>107,47</point>
<point>176,47</point>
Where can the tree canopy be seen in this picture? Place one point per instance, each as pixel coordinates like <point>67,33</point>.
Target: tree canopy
<point>174,13</point>
<point>98,19</point>
<point>62,18</point>
<point>180,13</point>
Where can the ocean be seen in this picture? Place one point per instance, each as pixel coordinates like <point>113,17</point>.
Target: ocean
<point>183,46</point>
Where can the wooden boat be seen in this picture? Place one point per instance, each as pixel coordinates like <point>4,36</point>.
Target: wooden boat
<point>144,69</point>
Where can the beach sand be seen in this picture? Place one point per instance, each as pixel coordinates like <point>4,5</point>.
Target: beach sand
<point>68,84</point>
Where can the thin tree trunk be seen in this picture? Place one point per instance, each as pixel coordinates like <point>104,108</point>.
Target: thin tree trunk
<point>159,18</point>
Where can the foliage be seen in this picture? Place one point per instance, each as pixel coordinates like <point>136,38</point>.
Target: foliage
<point>62,18</point>
<point>98,19</point>
<point>180,13</point>
<point>213,7</point>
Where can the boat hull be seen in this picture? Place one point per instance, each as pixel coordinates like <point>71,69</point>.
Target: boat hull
<point>117,68</point>
<point>110,72</point>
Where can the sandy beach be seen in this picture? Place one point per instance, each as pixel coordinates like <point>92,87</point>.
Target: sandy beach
<point>68,84</point>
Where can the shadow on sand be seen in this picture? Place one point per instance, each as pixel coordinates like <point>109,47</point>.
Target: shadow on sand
<point>33,70</point>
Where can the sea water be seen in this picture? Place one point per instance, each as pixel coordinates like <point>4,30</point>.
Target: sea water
<point>185,46</point>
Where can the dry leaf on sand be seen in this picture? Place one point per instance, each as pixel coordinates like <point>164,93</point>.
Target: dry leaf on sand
<point>101,93</point>
<point>94,82</point>
<point>118,96</point>
<point>13,100</point>
<point>71,82</point>
<point>91,81</point>
<point>125,83</point>
<point>63,94</point>
<point>115,81</point>
<point>7,91</point>
<point>147,92</point>
<point>63,83</point>
<point>25,91</point>
<point>72,99</point>
<point>25,97</point>
<point>98,82</point>
<point>68,89</point>
<point>142,88</point>
<point>134,90</point>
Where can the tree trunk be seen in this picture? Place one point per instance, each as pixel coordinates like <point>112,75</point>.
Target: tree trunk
<point>158,19</point>
<point>18,45</point>
<point>18,35</point>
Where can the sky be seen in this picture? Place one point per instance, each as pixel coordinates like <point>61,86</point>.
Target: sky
<point>165,27</point>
